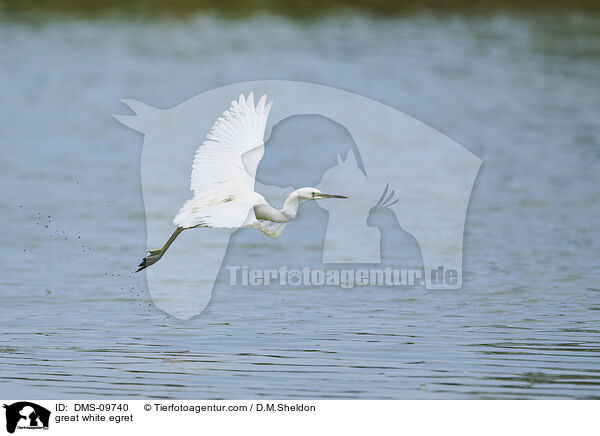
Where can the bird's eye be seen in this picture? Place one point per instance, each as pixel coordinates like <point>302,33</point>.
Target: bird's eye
<point>314,194</point>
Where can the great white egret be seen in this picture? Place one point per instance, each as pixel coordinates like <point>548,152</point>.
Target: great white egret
<point>223,179</point>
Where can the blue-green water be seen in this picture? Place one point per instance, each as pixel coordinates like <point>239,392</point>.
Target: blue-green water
<point>520,90</point>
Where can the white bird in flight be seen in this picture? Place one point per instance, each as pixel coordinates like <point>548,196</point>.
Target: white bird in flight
<point>223,176</point>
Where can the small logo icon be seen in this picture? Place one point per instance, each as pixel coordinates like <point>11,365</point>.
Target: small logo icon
<point>26,415</point>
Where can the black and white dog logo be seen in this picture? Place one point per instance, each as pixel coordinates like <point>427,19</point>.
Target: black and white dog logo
<point>26,415</point>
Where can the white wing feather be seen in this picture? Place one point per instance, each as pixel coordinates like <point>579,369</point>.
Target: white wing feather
<point>225,167</point>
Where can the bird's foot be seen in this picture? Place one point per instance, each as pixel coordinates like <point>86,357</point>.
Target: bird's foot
<point>153,257</point>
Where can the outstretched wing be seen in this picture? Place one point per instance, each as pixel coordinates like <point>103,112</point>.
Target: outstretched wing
<point>225,167</point>
<point>226,161</point>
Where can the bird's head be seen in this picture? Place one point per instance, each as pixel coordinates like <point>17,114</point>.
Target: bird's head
<point>308,194</point>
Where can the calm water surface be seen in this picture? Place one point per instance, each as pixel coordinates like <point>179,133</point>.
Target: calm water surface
<point>519,90</point>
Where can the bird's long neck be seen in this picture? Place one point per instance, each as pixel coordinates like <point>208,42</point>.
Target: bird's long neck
<point>265,211</point>
<point>290,207</point>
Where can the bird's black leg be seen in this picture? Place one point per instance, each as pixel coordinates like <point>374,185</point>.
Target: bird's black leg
<point>155,255</point>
